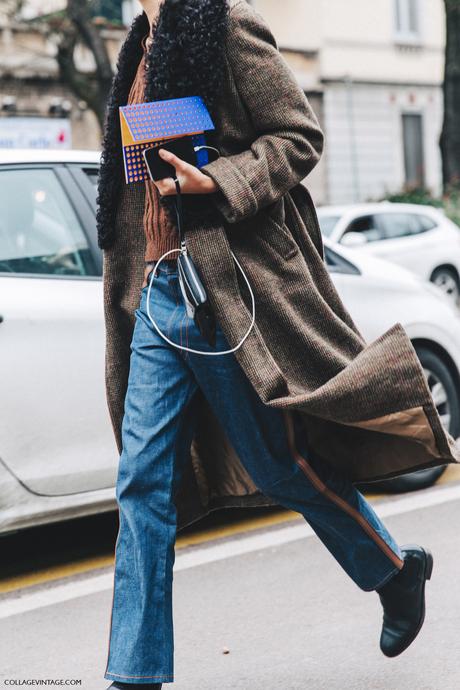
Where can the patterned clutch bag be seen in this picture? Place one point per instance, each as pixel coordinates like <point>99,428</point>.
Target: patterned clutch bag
<point>158,121</point>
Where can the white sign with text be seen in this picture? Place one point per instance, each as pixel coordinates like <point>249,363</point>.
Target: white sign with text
<point>35,133</point>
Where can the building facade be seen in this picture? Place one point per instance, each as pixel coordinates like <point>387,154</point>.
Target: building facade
<point>373,72</point>
<point>36,108</point>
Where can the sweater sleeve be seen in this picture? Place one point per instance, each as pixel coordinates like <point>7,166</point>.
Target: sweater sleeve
<point>289,139</point>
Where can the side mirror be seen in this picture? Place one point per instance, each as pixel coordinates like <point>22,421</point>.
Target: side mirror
<point>353,239</point>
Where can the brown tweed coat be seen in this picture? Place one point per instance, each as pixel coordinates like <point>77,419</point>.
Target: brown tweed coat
<point>366,406</point>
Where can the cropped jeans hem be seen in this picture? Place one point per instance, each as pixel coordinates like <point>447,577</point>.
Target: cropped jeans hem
<point>382,582</point>
<point>158,678</point>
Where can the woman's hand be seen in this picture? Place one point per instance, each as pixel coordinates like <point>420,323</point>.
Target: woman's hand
<point>191,179</point>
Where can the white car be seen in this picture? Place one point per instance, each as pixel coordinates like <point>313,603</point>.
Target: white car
<point>58,457</point>
<point>420,238</point>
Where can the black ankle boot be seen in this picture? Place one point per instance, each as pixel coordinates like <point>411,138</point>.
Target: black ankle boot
<point>134,686</point>
<point>403,601</point>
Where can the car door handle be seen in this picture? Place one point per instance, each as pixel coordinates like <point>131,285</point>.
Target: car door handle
<point>1,318</point>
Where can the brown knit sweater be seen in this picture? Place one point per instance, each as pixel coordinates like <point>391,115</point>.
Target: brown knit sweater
<point>161,235</point>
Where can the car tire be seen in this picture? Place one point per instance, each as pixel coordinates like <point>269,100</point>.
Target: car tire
<point>447,399</point>
<point>447,279</point>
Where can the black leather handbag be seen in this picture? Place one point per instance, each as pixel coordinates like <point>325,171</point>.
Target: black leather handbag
<point>191,286</point>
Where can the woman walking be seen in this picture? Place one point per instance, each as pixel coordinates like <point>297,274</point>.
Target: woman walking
<point>299,410</point>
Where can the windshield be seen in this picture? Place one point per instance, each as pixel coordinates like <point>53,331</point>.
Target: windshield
<point>327,224</point>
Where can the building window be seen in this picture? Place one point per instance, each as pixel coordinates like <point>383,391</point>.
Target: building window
<point>407,21</point>
<point>414,159</point>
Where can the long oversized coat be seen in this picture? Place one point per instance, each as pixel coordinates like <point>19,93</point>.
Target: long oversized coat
<point>366,407</point>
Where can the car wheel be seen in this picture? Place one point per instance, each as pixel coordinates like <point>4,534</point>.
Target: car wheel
<point>447,279</point>
<point>447,401</point>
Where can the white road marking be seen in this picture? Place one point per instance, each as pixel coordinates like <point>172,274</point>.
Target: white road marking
<point>193,556</point>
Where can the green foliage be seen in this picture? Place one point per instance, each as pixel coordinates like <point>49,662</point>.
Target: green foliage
<point>110,9</point>
<point>449,202</point>
<point>414,196</point>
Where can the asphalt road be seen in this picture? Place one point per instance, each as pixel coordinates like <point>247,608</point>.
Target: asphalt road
<point>273,598</point>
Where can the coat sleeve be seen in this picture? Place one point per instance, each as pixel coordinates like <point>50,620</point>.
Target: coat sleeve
<point>289,140</point>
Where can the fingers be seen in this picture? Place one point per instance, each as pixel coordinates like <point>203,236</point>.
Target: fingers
<point>174,160</point>
<point>166,186</point>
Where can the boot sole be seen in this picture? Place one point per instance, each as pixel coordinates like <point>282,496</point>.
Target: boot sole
<point>427,576</point>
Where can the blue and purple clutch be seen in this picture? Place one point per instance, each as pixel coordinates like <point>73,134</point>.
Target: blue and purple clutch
<point>159,121</point>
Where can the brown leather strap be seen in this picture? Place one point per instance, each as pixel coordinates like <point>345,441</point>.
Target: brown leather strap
<point>338,500</point>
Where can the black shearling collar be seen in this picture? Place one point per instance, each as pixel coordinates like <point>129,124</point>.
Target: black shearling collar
<point>185,58</point>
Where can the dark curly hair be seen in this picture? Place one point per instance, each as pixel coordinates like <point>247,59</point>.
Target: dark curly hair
<point>186,58</point>
<point>186,53</point>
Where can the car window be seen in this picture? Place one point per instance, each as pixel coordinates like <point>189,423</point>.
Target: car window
<point>396,225</point>
<point>367,226</point>
<point>425,223</point>
<point>327,224</point>
<point>39,230</point>
<point>92,175</point>
<point>336,263</point>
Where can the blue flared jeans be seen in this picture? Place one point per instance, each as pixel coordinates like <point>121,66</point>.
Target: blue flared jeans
<point>157,430</point>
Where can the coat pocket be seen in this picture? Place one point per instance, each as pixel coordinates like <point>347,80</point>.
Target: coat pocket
<point>278,236</point>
